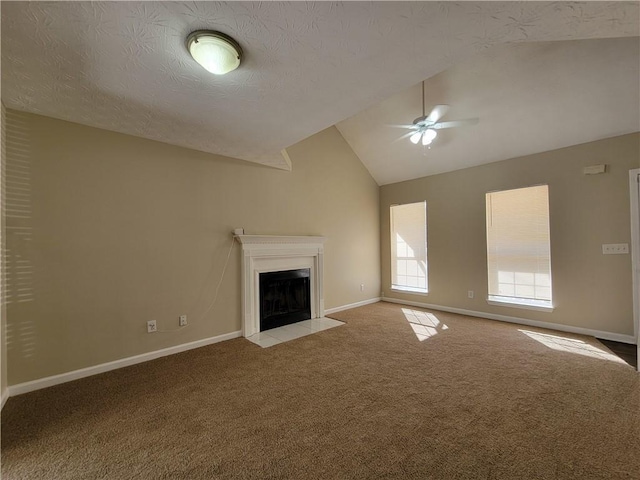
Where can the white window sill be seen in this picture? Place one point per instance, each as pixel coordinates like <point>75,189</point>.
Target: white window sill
<point>413,291</point>
<point>520,304</point>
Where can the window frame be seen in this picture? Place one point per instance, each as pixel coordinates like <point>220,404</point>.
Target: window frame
<point>394,257</point>
<point>513,301</point>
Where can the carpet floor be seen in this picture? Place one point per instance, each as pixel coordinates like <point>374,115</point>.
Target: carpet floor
<point>395,393</point>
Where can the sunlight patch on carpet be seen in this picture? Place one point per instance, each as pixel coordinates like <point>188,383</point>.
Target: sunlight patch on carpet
<point>571,345</point>
<point>424,324</point>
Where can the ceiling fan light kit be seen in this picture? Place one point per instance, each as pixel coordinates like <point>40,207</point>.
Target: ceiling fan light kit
<point>427,136</point>
<point>425,128</point>
<point>216,52</point>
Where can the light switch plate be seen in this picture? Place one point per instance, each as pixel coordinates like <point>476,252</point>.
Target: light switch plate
<point>615,248</point>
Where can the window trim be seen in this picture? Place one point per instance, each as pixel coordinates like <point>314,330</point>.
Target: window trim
<point>519,303</point>
<point>411,290</point>
<point>400,288</point>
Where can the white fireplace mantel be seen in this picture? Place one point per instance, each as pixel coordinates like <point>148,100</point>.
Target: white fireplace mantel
<point>274,253</point>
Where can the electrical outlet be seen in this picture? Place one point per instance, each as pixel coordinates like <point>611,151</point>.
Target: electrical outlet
<point>470,294</point>
<point>362,287</point>
<point>182,320</point>
<point>151,326</point>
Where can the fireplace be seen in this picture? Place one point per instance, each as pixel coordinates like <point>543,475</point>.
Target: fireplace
<point>262,254</point>
<point>284,298</point>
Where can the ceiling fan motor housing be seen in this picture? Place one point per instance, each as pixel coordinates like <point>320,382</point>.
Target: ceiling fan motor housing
<point>423,121</point>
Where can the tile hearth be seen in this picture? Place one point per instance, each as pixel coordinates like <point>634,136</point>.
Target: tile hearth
<point>278,335</point>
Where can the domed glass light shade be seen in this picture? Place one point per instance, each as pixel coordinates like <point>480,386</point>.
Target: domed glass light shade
<point>415,138</point>
<point>428,136</point>
<point>216,52</point>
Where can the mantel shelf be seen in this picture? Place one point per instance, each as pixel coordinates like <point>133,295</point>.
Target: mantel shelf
<point>279,239</point>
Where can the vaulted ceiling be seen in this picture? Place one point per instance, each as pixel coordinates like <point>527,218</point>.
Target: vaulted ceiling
<point>123,66</point>
<point>528,98</point>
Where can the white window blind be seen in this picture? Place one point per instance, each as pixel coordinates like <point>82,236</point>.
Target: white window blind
<point>518,246</point>
<point>409,247</point>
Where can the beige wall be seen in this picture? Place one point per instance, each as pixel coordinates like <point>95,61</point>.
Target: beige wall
<point>589,290</point>
<point>106,231</point>
<point>114,230</point>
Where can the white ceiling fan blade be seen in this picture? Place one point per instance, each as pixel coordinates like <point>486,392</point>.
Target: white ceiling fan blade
<point>437,113</point>
<point>455,123</point>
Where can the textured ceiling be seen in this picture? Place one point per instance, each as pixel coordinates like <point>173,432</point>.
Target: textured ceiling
<point>123,66</point>
<point>528,98</point>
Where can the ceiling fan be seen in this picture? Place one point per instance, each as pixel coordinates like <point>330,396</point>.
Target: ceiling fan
<point>426,127</point>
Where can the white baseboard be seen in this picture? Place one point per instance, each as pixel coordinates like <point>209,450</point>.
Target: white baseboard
<point>4,396</point>
<point>105,367</point>
<point>617,337</point>
<point>352,305</point>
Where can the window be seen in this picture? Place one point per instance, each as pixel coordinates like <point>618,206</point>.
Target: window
<point>409,247</point>
<point>518,251</point>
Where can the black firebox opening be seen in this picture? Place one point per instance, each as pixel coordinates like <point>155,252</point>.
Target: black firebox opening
<point>284,298</point>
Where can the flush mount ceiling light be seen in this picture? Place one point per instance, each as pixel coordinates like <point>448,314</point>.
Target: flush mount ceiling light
<point>216,52</point>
